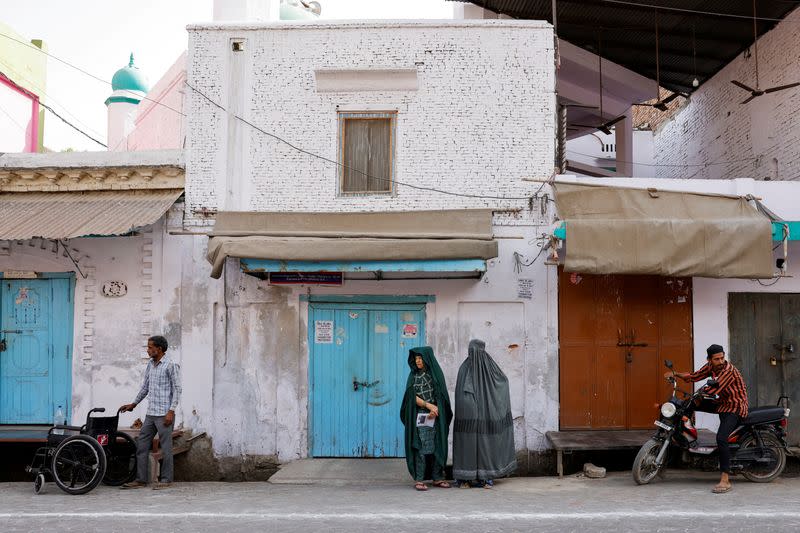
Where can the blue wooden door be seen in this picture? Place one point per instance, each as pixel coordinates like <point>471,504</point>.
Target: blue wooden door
<point>36,325</point>
<point>357,375</point>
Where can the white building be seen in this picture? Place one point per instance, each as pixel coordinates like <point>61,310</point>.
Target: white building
<point>464,107</point>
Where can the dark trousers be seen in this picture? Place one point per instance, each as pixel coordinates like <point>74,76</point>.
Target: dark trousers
<point>151,426</point>
<point>727,423</point>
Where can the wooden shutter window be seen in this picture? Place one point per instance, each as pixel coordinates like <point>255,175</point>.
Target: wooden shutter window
<point>367,153</point>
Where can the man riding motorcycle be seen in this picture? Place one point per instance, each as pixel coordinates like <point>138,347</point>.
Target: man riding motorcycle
<point>730,405</point>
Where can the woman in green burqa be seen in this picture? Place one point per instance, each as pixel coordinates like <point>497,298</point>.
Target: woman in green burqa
<point>426,394</point>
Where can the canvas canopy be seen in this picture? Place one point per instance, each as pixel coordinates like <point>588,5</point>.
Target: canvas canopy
<point>617,230</point>
<point>382,236</point>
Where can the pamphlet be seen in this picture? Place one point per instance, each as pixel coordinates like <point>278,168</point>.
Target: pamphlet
<point>424,420</point>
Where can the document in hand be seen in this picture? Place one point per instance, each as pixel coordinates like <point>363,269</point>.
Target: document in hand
<point>423,420</point>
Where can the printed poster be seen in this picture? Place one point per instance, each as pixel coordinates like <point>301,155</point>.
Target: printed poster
<point>323,331</point>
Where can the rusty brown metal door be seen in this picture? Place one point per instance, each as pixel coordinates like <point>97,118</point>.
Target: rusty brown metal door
<point>764,331</point>
<point>614,333</point>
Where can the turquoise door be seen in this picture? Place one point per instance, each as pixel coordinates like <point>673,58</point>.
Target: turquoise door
<point>358,368</point>
<point>36,342</point>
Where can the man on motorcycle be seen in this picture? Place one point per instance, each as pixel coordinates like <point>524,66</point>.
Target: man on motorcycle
<point>730,404</point>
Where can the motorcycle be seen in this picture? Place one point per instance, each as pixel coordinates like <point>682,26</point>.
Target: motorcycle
<point>757,445</point>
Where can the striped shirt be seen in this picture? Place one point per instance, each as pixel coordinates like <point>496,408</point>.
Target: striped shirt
<point>162,385</point>
<point>731,388</point>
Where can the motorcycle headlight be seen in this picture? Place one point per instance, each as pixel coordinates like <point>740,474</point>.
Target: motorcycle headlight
<point>668,410</point>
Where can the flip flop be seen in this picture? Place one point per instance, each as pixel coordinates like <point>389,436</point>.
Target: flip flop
<point>441,484</point>
<point>421,486</point>
<point>721,490</point>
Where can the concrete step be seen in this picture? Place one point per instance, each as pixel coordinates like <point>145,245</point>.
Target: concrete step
<point>342,472</point>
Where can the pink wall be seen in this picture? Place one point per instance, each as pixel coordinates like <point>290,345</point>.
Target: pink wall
<point>19,117</point>
<point>157,124</point>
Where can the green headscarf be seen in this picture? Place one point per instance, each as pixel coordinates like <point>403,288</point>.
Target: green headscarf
<point>408,410</point>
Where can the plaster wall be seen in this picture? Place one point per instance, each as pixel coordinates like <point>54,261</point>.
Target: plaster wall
<point>110,333</point>
<point>482,116</point>
<point>261,350</point>
<point>158,124</point>
<point>719,137</point>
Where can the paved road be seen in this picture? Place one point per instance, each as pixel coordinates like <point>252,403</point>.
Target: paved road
<point>682,502</point>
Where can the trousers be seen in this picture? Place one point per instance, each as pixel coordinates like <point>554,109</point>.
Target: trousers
<point>151,426</point>
<point>727,423</point>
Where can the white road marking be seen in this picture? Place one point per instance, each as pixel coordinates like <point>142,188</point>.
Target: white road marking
<point>373,517</point>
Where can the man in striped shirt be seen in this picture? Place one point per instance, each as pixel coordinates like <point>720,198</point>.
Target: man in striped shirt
<point>731,404</point>
<point>162,386</point>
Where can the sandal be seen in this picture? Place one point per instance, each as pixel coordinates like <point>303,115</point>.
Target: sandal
<point>441,484</point>
<point>721,489</point>
<point>420,486</point>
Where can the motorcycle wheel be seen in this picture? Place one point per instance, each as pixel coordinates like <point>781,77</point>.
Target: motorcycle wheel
<point>644,468</point>
<point>773,469</point>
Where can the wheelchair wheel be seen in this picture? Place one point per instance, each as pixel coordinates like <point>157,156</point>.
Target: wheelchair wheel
<point>120,459</point>
<point>38,484</point>
<point>79,464</point>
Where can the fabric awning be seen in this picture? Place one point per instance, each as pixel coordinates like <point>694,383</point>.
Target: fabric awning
<point>382,236</point>
<point>66,215</point>
<point>617,230</point>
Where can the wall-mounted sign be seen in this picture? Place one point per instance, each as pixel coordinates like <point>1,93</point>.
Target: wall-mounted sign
<point>306,278</point>
<point>114,289</point>
<point>20,274</point>
<point>323,331</point>
<point>525,289</point>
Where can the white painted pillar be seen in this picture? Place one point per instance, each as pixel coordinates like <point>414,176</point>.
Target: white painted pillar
<point>623,133</point>
<point>120,123</point>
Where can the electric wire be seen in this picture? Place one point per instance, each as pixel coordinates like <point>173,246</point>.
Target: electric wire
<point>53,111</point>
<point>347,167</point>
<point>41,91</point>
<point>688,10</point>
<point>87,73</point>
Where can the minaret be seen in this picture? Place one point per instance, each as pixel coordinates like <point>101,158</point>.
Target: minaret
<point>130,87</point>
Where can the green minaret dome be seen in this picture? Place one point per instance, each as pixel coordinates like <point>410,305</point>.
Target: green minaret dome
<point>129,78</point>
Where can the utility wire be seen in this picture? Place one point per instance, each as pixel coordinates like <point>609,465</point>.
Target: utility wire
<point>53,111</point>
<point>40,90</point>
<point>347,167</point>
<point>79,69</point>
<point>687,10</point>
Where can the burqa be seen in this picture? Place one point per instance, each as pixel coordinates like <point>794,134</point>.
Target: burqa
<point>483,432</point>
<point>408,410</point>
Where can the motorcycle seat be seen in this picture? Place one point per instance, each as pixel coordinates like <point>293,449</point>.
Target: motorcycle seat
<point>760,415</point>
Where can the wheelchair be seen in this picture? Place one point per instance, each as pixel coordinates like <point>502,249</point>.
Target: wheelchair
<point>78,458</point>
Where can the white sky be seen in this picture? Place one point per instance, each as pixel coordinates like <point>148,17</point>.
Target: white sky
<point>99,35</point>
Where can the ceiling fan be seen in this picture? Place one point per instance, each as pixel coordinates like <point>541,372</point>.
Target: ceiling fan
<point>605,127</point>
<point>660,104</point>
<point>758,91</point>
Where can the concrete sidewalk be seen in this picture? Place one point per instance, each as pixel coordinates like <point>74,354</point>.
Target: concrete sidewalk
<point>682,502</point>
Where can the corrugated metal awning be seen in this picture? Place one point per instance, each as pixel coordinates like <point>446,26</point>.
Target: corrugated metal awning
<point>66,215</point>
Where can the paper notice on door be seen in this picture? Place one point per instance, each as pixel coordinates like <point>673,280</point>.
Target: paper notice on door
<point>423,420</point>
<point>323,331</point>
<point>409,330</point>
<point>525,289</point>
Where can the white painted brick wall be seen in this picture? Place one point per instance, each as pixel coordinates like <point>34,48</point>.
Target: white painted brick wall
<point>481,120</point>
<point>729,140</point>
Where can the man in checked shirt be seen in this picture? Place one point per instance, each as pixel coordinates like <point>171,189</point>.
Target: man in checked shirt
<point>731,404</point>
<point>162,383</point>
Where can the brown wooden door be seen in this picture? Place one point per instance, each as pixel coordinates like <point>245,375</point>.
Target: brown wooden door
<point>614,333</point>
<point>764,331</point>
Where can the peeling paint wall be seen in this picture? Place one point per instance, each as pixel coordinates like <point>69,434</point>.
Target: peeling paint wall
<point>260,384</point>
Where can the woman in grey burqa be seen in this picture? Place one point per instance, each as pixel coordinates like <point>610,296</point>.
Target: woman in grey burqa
<point>483,430</point>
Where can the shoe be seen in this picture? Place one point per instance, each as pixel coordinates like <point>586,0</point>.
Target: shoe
<point>134,485</point>
<point>162,485</point>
